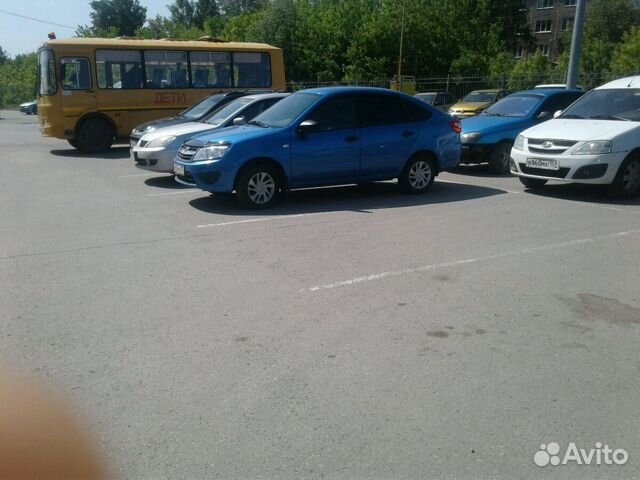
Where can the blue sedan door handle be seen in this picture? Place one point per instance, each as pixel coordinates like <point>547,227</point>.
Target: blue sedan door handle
<point>408,133</point>
<point>350,139</point>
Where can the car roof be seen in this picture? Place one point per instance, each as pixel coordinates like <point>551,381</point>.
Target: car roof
<point>350,89</point>
<point>547,91</point>
<point>262,96</point>
<point>489,90</point>
<point>626,82</point>
<point>430,93</point>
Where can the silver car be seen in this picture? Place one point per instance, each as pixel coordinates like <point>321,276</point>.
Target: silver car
<point>156,150</point>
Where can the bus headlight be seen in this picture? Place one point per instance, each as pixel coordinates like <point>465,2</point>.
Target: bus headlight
<point>212,152</point>
<point>160,141</point>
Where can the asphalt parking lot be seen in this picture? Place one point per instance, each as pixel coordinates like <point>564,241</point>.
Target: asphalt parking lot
<point>349,333</point>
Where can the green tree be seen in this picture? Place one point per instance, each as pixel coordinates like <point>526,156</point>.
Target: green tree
<point>182,12</point>
<point>114,18</point>
<point>626,59</point>
<point>233,8</point>
<point>18,80</point>
<point>530,71</point>
<point>4,56</point>
<point>605,24</point>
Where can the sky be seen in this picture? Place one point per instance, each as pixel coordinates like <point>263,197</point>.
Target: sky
<point>20,35</point>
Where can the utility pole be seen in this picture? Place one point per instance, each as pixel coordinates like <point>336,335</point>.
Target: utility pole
<point>400,55</point>
<point>576,39</point>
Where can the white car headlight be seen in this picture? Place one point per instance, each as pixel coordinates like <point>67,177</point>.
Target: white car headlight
<point>212,152</point>
<point>470,137</point>
<point>161,141</point>
<point>596,147</point>
<point>519,143</point>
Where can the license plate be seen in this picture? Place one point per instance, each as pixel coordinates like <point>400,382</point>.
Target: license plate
<point>542,163</point>
<point>178,169</point>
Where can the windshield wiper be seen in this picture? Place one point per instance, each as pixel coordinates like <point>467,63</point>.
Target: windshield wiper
<point>258,123</point>
<point>610,117</point>
<point>571,116</point>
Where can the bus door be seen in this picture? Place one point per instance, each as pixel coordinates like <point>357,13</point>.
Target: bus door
<point>77,89</point>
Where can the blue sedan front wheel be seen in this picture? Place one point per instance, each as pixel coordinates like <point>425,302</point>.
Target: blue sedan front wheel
<point>258,187</point>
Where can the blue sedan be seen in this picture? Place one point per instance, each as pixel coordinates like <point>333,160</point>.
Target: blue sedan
<point>488,137</point>
<point>324,136</point>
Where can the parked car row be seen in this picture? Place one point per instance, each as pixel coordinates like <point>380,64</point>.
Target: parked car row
<point>258,145</point>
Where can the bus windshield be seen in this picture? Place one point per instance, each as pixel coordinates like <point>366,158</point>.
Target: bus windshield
<point>46,73</point>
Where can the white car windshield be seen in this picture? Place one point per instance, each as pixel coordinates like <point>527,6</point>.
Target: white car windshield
<point>229,109</point>
<point>607,104</point>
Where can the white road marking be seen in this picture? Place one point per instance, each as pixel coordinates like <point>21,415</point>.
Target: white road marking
<point>155,174</point>
<point>186,190</point>
<point>424,268</point>
<point>262,219</point>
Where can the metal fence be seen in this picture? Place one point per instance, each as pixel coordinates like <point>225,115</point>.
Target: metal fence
<point>459,86</point>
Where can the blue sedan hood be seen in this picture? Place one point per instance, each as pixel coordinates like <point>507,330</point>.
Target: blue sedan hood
<point>489,123</point>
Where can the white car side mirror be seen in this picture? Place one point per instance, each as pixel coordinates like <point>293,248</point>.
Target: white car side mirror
<point>557,114</point>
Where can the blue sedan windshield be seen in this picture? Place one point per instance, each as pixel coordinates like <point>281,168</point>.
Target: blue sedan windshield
<point>514,106</point>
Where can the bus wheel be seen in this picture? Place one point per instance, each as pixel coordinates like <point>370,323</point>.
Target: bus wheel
<point>94,136</point>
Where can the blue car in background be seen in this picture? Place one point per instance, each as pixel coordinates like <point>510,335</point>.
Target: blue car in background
<point>488,137</point>
<point>324,136</point>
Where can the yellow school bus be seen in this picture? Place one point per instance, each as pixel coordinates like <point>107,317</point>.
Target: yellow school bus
<point>93,91</point>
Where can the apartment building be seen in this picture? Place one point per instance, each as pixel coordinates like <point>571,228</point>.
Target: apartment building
<point>549,21</point>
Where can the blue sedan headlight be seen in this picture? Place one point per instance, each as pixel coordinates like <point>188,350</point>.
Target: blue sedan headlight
<point>212,152</point>
<point>470,137</point>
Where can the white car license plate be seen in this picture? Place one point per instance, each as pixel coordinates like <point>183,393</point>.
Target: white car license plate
<point>178,169</point>
<point>542,163</point>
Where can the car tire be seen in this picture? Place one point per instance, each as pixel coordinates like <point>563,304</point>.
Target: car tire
<point>532,182</point>
<point>94,136</point>
<point>418,175</point>
<point>258,187</point>
<point>499,158</point>
<point>627,182</point>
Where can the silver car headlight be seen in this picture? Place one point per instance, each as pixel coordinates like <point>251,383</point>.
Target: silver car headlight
<point>161,141</point>
<point>212,152</point>
<point>519,143</point>
<point>470,137</point>
<point>596,147</point>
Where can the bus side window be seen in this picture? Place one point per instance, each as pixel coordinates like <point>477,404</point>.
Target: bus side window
<point>75,73</point>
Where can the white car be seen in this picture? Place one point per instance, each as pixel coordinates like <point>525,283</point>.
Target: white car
<point>156,150</point>
<point>595,140</point>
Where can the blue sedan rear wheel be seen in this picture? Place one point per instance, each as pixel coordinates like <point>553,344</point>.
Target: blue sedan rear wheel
<point>418,175</point>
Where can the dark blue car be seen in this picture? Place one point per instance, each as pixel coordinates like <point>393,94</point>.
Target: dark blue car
<point>488,137</point>
<point>324,136</point>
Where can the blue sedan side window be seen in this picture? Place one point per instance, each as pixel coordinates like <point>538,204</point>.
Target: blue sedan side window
<point>336,114</point>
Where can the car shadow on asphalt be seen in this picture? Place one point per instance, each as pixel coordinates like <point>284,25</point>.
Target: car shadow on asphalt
<point>479,170</point>
<point>353,198</point>
<point>118,152</point>
<point>165,181</point>
<point>580,192</point>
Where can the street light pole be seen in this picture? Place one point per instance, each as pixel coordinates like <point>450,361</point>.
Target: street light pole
<point>576,39</point>
<point>400,54</point>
